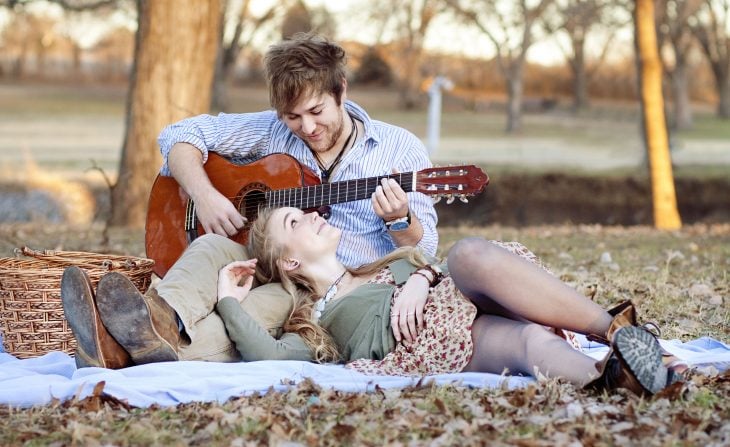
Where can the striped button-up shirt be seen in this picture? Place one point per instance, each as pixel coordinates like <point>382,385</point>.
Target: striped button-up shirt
<point>246,137</point>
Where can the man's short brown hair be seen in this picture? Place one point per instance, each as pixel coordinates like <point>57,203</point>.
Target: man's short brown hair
<point>306,64</point>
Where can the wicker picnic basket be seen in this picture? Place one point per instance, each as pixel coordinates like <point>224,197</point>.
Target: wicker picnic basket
<point>31,313</point>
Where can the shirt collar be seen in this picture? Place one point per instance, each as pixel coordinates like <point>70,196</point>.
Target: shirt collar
<point>358,112</point>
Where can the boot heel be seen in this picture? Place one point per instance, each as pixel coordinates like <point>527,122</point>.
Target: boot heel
<point>642,354</point>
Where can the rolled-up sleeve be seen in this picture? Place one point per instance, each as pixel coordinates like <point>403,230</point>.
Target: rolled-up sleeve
<point>228,134</point>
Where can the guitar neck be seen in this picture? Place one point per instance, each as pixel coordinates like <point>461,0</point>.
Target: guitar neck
<point>337,192</point>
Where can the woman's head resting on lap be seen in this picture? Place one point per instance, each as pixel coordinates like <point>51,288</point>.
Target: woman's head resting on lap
<point>292,245</point>
<point>299,250</point>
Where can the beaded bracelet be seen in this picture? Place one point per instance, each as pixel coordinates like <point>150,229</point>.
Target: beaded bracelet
<point>420,273</point>
<point>436,274</point>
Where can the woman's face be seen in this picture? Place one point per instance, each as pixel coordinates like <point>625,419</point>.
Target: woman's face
<point>305,237</point>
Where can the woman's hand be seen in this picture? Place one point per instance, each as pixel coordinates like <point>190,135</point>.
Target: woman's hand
<point>231,276</point>
<point>406,315</point>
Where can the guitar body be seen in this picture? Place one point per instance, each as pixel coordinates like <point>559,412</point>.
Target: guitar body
<point>170,211</point>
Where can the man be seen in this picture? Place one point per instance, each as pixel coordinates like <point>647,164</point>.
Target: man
<point>312,121</point>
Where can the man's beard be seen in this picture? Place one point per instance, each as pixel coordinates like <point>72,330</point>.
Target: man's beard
<point>330,142</point>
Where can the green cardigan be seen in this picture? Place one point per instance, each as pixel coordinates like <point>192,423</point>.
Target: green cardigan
<point>358,322</point>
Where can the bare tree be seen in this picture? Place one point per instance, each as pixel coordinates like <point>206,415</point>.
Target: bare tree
<point>301,19</point>
<point>19,37</point>
<point>510,29</point>
<point>712,28</point>
<point>578,19</point>
<point>673,18</point>
<point>175,51</point>
<point>666,215</point>
<point>69,5</point>
<point>246,27</point>
<point>407,23</point>
<point>36,33</point>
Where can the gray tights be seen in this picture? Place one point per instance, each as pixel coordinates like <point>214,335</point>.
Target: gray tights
<point>517,298</point>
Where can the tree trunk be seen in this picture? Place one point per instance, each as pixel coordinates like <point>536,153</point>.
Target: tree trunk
<point>723,106</point>
<point>175,52</point>
<point>580,89</point>
<point>514,101</point>
<point>666,215</point>
<point>219,98</point>
<point>580,77</point>
<point>408,95</point>
<point>680,92</point>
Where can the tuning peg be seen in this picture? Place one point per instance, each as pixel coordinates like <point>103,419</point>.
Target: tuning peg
<point>436,199</point>
<point>463,198</point>
<point>450,199</point>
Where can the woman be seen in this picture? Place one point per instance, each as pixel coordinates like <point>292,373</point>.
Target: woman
<point>485,310</point>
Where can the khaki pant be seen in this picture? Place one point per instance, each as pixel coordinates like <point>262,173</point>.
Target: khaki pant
<point>191,288</point>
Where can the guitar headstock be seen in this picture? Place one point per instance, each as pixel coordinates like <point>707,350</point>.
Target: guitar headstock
<point>451,182</point>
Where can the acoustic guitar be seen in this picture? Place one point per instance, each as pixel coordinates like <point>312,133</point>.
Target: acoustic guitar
<point>278,180</point>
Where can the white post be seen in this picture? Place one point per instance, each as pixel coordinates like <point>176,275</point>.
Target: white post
<point>434,111</point>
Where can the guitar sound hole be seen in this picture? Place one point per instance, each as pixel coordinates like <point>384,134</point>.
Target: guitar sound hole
<point>251,201</point>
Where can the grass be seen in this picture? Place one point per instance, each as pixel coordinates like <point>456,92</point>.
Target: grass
<point>678,279</point>
<point>707,127</point>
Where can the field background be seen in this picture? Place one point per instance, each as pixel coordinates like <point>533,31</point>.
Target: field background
<point>63,127</point>
<point>562,168</point>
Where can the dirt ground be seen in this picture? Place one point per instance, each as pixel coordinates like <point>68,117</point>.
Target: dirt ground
<point>521,199</point>
<point>515,199</point>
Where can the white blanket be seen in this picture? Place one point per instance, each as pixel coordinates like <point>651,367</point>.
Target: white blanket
<point>39,380</point>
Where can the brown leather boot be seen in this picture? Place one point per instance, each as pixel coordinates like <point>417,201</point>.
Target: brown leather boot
<point>624,315</point>
<point>144,324</point>
<point>96,347</point>
<point>634,362</point>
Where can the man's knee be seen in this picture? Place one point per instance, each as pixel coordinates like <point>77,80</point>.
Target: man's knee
<point>270,305</point>
<point>212,241</point>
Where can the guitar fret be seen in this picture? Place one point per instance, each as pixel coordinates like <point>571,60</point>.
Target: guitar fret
<point>314,196</point>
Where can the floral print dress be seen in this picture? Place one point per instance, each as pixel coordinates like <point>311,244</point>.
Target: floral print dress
<point>445,344</point>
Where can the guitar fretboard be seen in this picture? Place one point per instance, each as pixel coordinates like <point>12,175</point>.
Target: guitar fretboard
<point>337,192</point>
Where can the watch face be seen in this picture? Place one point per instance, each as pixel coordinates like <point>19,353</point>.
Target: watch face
<point>398,226</point>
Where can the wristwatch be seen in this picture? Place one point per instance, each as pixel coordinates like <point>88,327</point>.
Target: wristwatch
<point>399,224</point>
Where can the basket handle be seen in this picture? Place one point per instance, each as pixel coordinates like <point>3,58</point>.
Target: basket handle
<point>51,256</point>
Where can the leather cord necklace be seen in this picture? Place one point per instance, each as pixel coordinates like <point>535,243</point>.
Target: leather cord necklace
<point>327,171</point>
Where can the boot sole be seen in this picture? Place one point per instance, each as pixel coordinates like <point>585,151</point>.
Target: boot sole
<point>78,308</point>
<point>126,315</point>
<point>642,354</point>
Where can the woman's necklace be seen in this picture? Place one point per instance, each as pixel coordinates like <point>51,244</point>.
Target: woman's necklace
<point>328,295</point>
<point>327,171</point>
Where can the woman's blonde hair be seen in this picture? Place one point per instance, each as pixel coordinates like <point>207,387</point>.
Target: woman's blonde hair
<point>268,269</point>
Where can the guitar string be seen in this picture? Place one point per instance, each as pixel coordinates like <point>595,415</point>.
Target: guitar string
<point>306,193</point>
<point>407,176</point>
<point>303,195</point>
